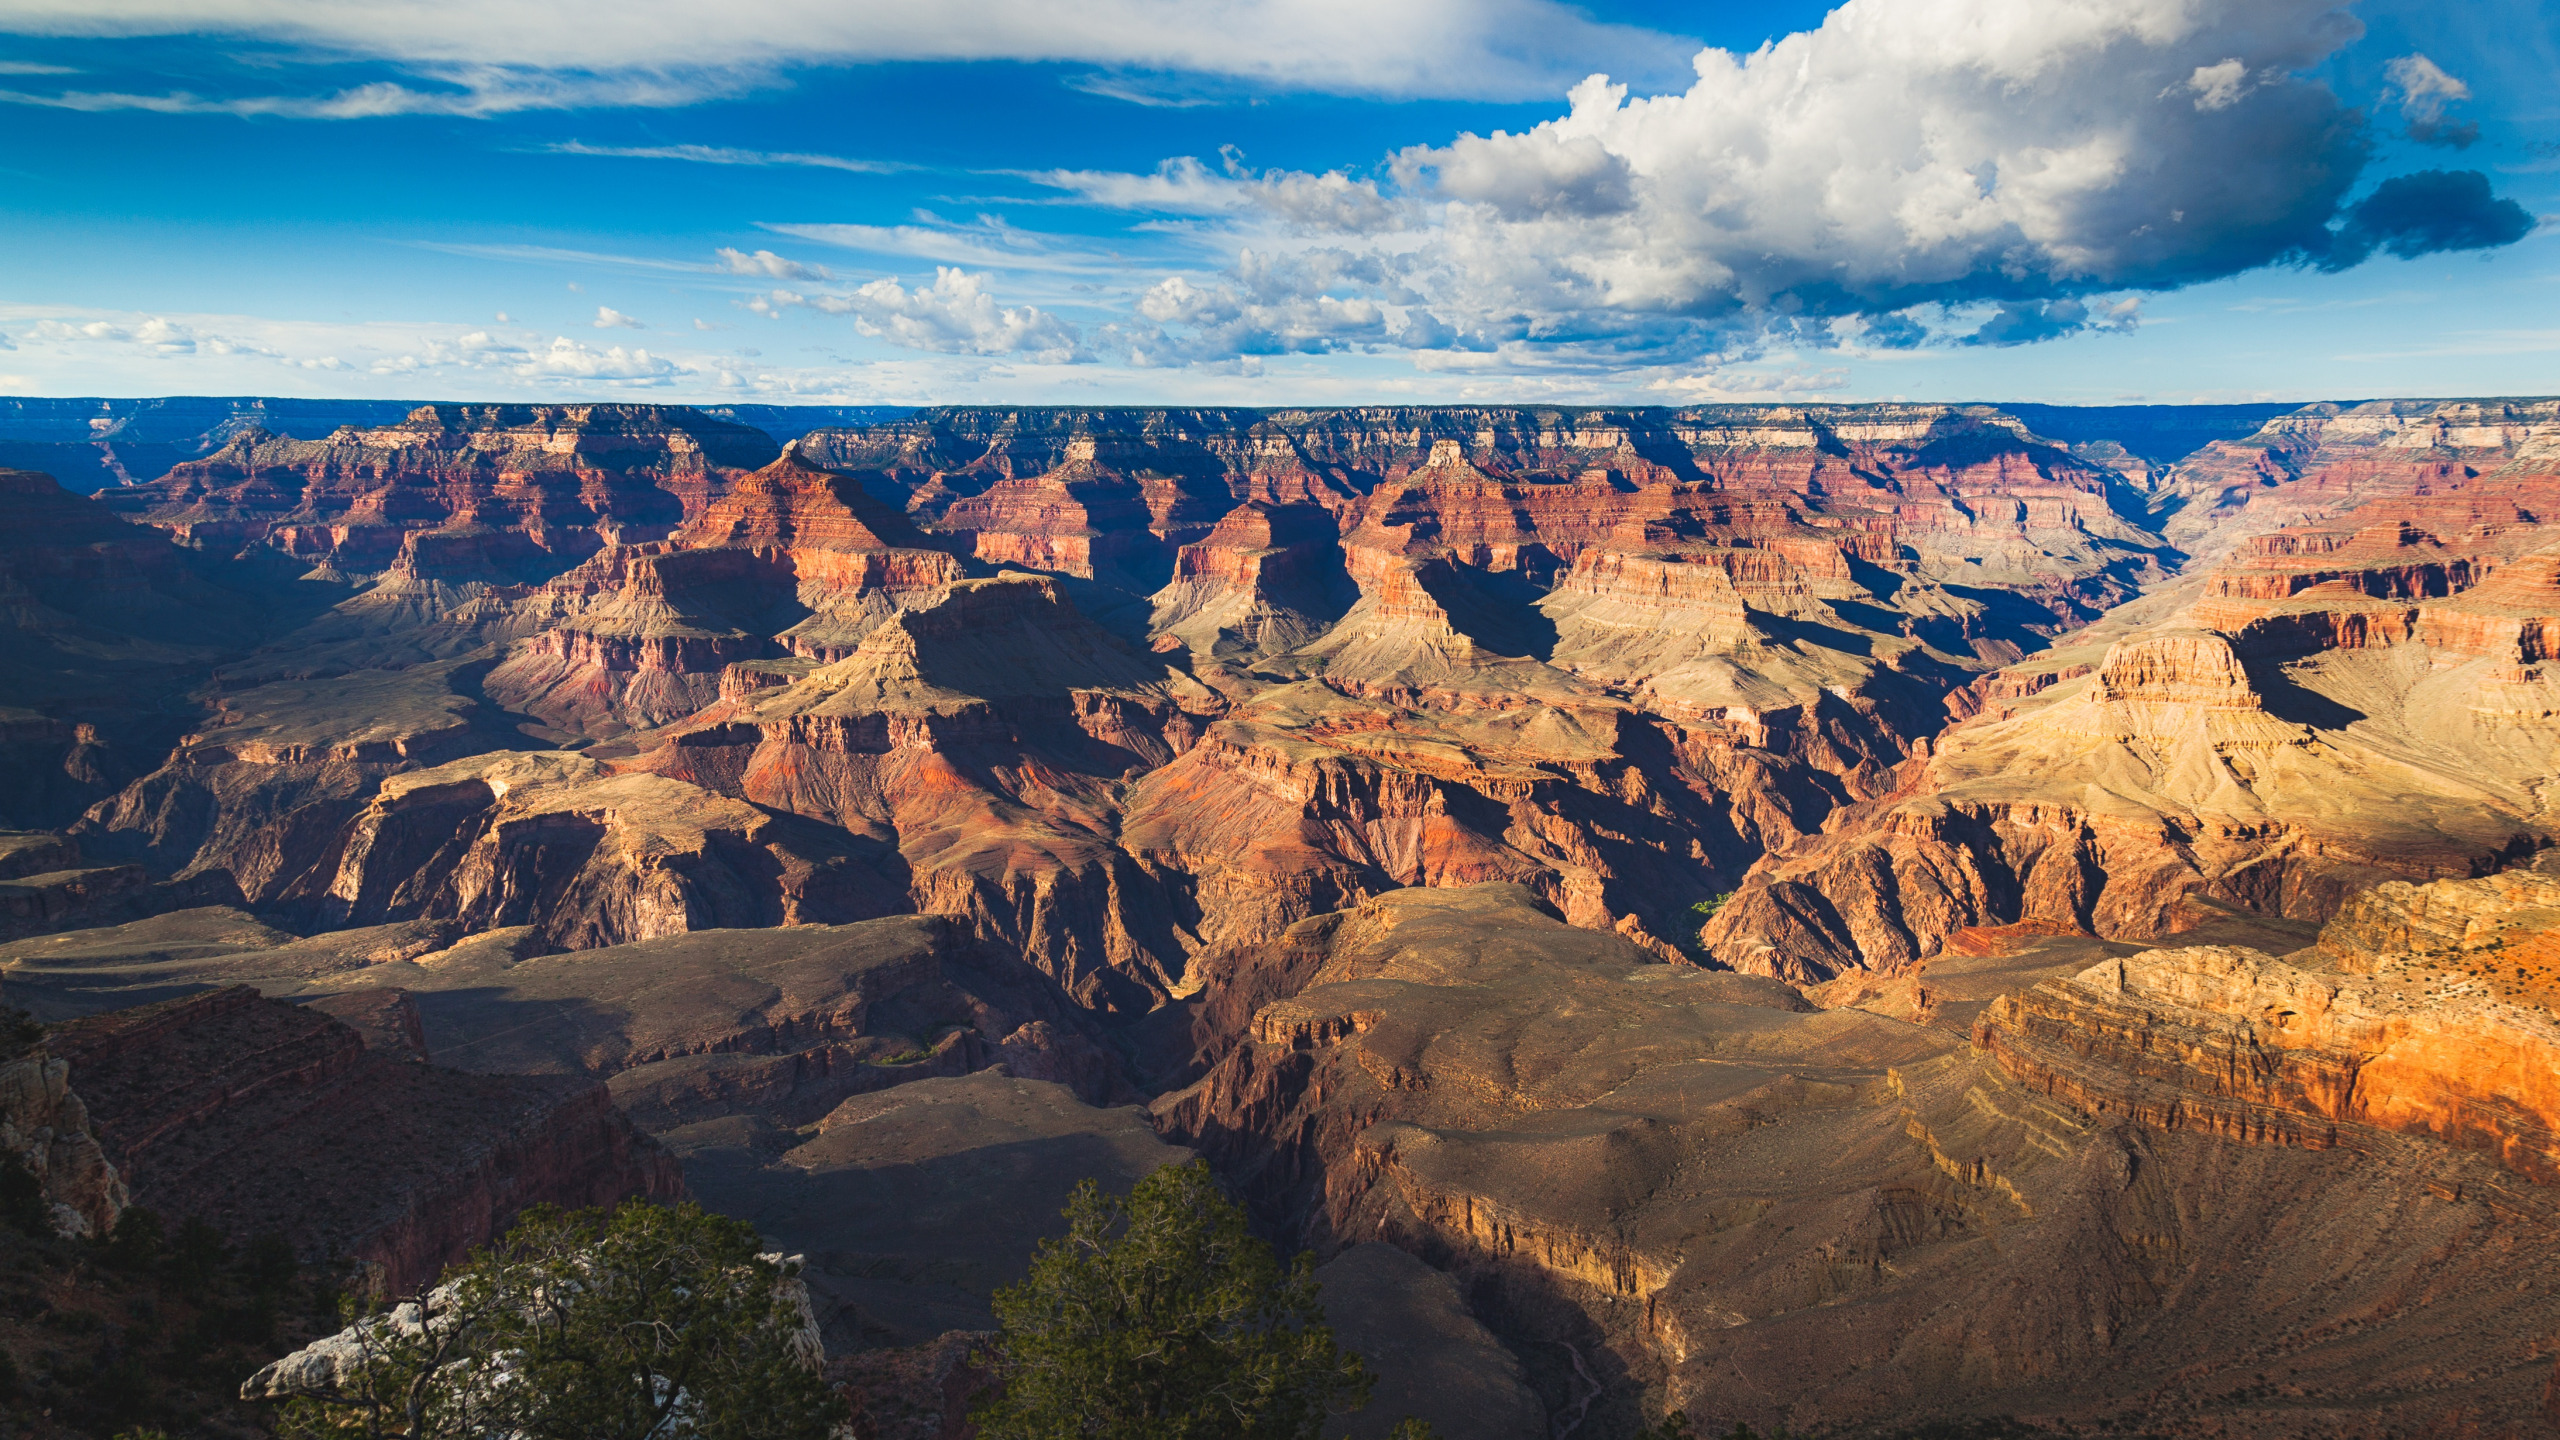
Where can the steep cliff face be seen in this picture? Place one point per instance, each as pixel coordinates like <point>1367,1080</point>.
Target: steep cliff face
<point>106,623</point>
<point>47,1127</point>
<point>987,737</point>
<point>1265,580</point>
<point>2325,460</point>
<point>2336,704</point>
<point>1730,1202</point>
<point>560,480</point>
<point>263,1117</point>
<point>2424,1009</point>
<point>1102,512</point>
<point>788,561</point>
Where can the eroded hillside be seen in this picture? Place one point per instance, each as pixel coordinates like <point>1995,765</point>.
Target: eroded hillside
<point>1368,786</point>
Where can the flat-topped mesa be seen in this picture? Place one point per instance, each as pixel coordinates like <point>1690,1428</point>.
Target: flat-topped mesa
<point>570,478</point>
<point>2195,668</point>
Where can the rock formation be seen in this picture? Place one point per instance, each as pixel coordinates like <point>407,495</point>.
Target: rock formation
<point>1706,1191</point>
<point>260,1116</point>
<point>884,816</point>
<point>534,487</point>
<point>2336,704</point>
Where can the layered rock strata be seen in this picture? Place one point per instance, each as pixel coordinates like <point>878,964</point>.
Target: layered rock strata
<point>986,736</point>
<point>1721,1199</point>
<point>789,560</point>
<point>2337,704</point>
<point>557,481</point>
<point>2439,1026</point>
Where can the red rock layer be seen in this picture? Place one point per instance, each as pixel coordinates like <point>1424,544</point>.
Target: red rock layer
<point>789,560</point>
<point>2346,701</point>
<point>567,479</point>
<point>986,736</point>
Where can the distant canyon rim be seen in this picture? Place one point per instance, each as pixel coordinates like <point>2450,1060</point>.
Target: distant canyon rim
<point>1833,916</point>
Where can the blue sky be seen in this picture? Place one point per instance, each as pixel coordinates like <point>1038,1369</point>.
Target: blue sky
<point>1279,201</point>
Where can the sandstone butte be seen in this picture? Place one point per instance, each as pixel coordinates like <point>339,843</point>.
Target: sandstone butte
<point>1816,915</point>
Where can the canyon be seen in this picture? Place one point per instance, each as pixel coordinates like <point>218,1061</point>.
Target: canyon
<point>1822,916</point>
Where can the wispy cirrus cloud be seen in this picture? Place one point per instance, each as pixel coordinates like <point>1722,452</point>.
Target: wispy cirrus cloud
<point>768,265</point>
<point>728,155</point>
<point>985,244</point>
<point>467,92</point>
<point>509,54</point>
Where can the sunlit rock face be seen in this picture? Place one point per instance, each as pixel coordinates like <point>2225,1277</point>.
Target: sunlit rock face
<point>1821,915</point>
<point>1838,659</point>
<point>2354,697</point>
<point>560,479</point>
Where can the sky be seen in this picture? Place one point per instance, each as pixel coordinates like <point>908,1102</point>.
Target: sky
<point>1280,202</point>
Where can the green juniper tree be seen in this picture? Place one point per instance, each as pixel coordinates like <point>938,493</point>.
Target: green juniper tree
<point>644,1323</point>
<point>1160,1317</point>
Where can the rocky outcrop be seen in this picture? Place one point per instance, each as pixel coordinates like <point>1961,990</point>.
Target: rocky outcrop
<point>339,1367</point>
<point>587,857</point>
<point>2338,704</point>
<point>46,1127</point>
<point>985,736</point>
<point>789,560</point>
<point>1266,580</point>
<point>565,479</point>
<point>1088,516</point>
<point>263,1117</point>
<point>1722,1199</point>
<point>2443,1029</point>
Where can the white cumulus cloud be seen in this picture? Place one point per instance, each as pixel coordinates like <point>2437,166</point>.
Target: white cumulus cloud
<point>608,318</point>
<point>1908,168</point>
<point>955,315</point>
<point>1184,186</point>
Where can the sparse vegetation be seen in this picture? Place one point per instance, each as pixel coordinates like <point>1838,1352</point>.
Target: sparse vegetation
<point>1160,1317</point>
<point>641,1323</point>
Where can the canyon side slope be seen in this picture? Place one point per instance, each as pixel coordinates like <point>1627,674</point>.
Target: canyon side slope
<point>1822,915</point>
